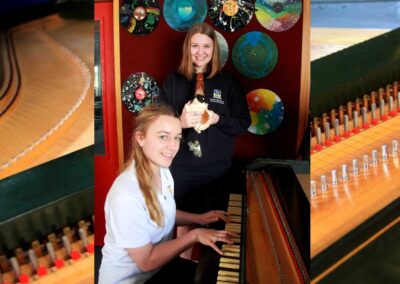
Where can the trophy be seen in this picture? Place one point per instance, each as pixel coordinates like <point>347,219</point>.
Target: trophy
<point>199,105</point>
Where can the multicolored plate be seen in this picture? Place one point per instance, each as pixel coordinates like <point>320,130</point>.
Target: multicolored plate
<point>183,14</point>
<point>139,17</point>
<point>138,91</point>
<point>255,55</point>
<point>266,110</point>
<point>223,49</point>
<point>278,15</point>
<point>231,15</point>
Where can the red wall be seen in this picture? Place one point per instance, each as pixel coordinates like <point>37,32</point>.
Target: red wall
<point>105,166</point>
<point>159,52</point>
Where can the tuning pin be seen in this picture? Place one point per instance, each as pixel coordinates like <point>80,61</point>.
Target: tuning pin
<point>355,129</point>
<point>355,166</point>
<point>374,120</point>
<point>327,130</point>
<point>395,147</point>
<point>33,259</point>
<point>57,262</point>
<point>40,269</point>
<point>67,245</point>
<point>51,252</point>
<point>382,114</point>
<point>364,118</point>
<point>392,110</point>
<point>384,153</point>
<point>365,162</point>
<point>346,126</point>
<point>334,177</point>
<point>319,139</point>
<point>324,185</point>
<point>15,266</point>
<point>83,237</point>
<point>22,277</point>
<point>318,146</point>
<point>336,130</point>
<point>73,254</point>
<point>87,245</point>
<point>313,188</point>
<point>345,175</point>
<point>374,158</point>
<point>346,123</point>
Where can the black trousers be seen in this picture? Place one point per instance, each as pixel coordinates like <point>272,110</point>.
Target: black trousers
<point>200,189</point>
<point>177,271</point>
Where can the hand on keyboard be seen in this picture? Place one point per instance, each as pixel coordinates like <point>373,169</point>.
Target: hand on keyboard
<point>213,216</point>
<point>209,237</point>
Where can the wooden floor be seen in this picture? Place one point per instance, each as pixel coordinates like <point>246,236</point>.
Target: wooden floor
<point>52,114</point>
<point>325,41</point>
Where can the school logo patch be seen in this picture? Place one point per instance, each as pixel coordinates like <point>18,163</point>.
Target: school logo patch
<point>217,94</point>
<point>217,97</point>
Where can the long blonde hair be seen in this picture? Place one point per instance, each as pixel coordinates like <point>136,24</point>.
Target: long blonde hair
<point>144,173</point>
<point>186,65</point>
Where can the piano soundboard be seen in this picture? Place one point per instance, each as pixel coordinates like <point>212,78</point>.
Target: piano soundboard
<point>355,171</point>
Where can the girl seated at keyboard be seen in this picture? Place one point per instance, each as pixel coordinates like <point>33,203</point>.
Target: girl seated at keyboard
<point>140,210</point>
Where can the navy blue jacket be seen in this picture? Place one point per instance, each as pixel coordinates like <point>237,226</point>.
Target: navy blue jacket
<point>226,98</point>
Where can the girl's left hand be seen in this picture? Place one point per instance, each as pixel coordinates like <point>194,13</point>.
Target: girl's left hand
<point>212,216</point>
<point>215,117</point>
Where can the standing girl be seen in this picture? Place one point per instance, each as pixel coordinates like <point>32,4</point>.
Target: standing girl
<point>205,157</point>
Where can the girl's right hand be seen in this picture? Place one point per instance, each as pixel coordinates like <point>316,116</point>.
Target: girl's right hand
<point>209,237</point>
<point>189,118</point>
